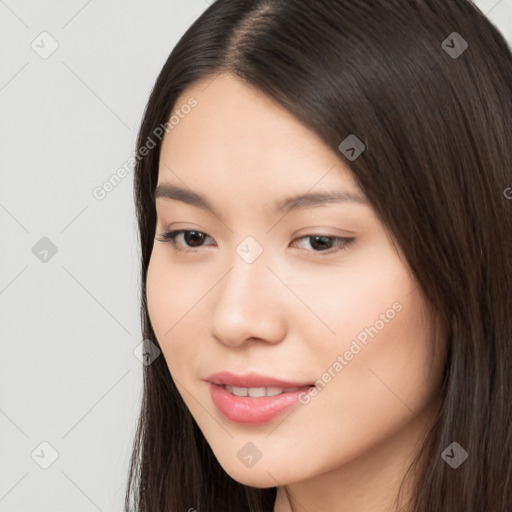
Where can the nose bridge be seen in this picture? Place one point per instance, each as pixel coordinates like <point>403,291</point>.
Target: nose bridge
<point>248,281</point>
<point>246,303</point>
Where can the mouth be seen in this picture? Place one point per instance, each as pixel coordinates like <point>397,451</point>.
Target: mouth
<point>258,392</point>
<point>255,405</point>
<point>254,382</point>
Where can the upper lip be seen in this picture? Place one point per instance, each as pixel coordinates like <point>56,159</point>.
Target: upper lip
<point>252,380</point>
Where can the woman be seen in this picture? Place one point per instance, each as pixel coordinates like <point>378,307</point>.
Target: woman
<point>326,243</point>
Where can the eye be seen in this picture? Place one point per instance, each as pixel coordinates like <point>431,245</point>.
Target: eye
<point>333,243</point>
<point>194,238</point>
<point>320,243</point>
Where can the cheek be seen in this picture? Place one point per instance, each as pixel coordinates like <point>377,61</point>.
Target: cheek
<point>176,295</point>
<point>170,291</point>
<point>393,376</point>
<point>168,300</point>
<point>387,372</point>
<point>158,295</point>
<point>364,294</point>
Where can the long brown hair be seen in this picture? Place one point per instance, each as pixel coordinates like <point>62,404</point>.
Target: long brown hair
<point>426,85</point>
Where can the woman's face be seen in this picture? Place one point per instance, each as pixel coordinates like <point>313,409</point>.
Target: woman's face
<point>314,292</point>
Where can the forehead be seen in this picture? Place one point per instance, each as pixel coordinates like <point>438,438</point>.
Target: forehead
<point>238,136</point>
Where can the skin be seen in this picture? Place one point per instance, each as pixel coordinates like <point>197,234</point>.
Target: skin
<point>292,311</point>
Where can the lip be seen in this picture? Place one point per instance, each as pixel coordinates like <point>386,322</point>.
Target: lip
<point>252,380</point>
<point>253,411</point>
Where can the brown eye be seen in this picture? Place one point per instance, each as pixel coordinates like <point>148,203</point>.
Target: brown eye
<point>190,237</point>
<point>193,238</point>
<point>327,244</point>
<point>321,242</point>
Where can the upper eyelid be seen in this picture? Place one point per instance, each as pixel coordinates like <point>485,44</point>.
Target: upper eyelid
<point>307,235</point>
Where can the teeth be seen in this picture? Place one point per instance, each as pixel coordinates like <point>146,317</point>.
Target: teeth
<point>257,392</point>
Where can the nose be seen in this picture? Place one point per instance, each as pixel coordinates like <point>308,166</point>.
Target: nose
<point>249,305</point>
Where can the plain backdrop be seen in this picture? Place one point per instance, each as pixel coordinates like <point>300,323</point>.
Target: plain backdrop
<point>74,79</point>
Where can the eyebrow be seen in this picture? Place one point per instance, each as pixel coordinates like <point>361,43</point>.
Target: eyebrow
<point>300,201</point>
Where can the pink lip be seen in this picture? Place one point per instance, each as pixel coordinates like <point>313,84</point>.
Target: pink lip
<point>249,410</point>
<point>252,380</point>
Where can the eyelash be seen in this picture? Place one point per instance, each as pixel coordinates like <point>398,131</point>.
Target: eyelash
<point>170,237</point>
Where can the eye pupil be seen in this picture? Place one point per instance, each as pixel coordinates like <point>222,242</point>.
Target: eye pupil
<point>196,236</point>
<point>323,241</point>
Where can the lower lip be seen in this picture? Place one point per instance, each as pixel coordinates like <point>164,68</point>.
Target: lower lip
<point>253,411</point>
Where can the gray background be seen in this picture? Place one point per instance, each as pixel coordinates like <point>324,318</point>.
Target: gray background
<point>69,320</point>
